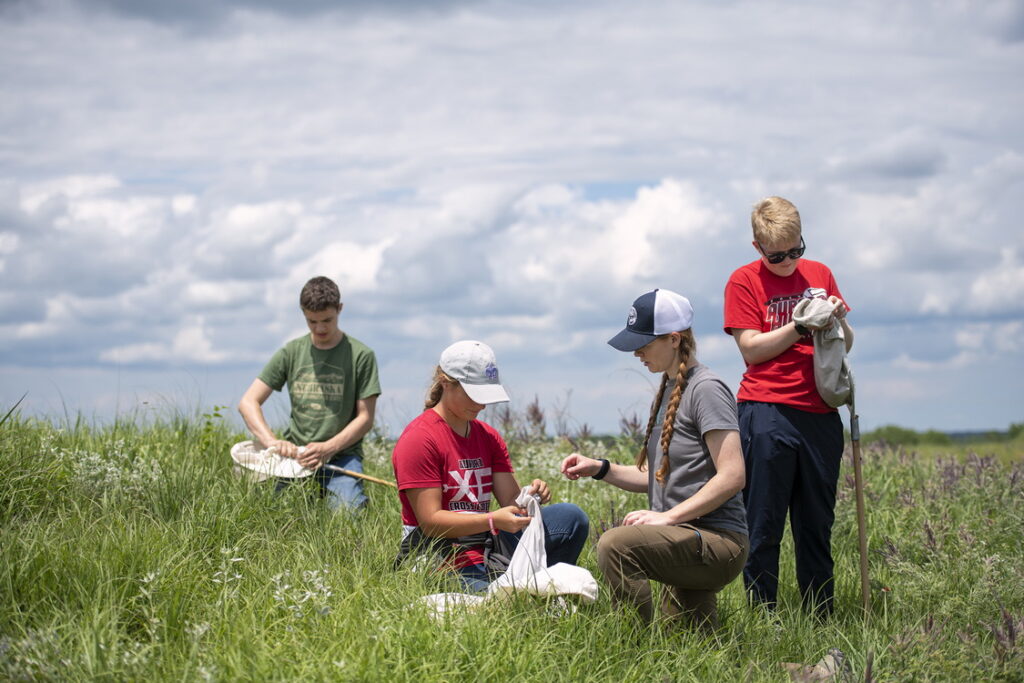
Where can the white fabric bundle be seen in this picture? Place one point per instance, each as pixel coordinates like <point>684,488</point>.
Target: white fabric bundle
<point>527,571</point>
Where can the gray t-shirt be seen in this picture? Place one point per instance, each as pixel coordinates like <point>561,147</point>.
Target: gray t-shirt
<point>706,404</point>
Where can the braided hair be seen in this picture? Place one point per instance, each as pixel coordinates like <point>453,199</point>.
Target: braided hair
<point>687,346</point>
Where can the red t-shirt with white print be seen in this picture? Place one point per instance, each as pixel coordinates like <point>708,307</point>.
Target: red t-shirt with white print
<point>757,299</point>
<point>429,454</point>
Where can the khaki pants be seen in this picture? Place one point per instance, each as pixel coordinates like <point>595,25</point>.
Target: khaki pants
<point>694,563</point>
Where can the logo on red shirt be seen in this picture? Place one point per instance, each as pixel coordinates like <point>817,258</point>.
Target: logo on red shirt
<point>472,490</point>
<point>779,309</point>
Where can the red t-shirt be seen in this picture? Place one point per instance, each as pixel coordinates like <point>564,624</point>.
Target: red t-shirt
<point>757,299</point>
<point>429,454</point>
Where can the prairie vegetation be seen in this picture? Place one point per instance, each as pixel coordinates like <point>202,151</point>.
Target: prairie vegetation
<point>133,553</point>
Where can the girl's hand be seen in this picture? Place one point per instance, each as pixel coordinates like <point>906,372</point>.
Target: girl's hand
<point>511,518</point>
<point>575,466</point>
<point>647,517</point>
<point>541,489</point>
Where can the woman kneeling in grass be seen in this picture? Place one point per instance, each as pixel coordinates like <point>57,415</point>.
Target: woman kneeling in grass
<point>449,465</point>
<point>694,536</point>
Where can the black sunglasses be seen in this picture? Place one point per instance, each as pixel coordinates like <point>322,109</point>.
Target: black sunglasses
<point>777,257</point>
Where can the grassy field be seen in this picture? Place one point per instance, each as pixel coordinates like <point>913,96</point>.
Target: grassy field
<point>132,553</point>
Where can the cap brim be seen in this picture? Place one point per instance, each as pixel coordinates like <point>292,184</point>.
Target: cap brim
<point>485,393</point>
<point>627,340</point>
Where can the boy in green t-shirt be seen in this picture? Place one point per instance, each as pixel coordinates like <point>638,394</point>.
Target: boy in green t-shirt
<point>333,388</point>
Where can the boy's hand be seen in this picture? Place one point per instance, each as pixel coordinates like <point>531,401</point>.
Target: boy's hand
<point>286,449</point>
<point>315,454</point>
<point>839,312</point>
<point>541,489</point>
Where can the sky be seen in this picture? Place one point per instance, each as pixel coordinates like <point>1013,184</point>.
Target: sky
<point>514,172</point>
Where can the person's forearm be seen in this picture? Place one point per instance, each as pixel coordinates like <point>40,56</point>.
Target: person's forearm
<point>355,430</point>
<point>761,347</point>
<point>505,488</point>
<point>252,415</point>
<point>448,524</point>
<point>710,497</point>
<point>627,477</point>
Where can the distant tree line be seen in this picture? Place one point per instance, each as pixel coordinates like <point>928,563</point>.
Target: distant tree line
<point>902,436</point>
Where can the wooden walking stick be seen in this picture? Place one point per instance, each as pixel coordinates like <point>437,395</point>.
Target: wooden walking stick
<point>862,528</point>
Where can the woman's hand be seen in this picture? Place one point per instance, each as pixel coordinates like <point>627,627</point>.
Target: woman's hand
<point>539,488</point>
<point>575,466</point>
<point>511,518</point>
<point>647,517</point>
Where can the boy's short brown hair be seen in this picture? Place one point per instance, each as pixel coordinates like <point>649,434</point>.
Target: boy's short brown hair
<point>319,294</point>
<point>775,221</point>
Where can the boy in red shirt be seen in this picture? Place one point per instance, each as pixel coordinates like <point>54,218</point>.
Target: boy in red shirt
<point>792,440</point>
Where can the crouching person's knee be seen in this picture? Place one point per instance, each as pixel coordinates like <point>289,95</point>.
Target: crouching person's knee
<point>613,552</point>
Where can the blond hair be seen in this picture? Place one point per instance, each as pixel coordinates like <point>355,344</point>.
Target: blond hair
<point>687,346</point>
<point>436,389</point>
<point>775,221</point>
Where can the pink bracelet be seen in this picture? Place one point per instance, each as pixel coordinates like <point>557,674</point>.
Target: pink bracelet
<point>490,522</point>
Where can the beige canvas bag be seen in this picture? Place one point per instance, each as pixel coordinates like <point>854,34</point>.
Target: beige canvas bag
<point>832,373</point>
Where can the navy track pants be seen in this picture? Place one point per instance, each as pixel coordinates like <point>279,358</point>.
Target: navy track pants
<point>792,458</point>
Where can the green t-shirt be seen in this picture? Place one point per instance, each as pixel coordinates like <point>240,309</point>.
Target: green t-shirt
<point>323,386</point>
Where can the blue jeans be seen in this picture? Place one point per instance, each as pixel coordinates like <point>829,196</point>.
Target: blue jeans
<point>340,490</point>
<point>566,528</point>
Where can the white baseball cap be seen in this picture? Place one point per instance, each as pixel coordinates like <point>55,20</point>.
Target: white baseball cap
<point>473,365</point>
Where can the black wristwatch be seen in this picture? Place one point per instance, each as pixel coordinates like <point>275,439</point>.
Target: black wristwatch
<point>801,330</point>
<point>605,466</point>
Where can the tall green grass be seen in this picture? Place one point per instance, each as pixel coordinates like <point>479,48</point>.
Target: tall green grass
<point>133,553</point>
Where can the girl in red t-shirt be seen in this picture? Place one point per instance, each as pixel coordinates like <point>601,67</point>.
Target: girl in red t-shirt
<point>449,466</point>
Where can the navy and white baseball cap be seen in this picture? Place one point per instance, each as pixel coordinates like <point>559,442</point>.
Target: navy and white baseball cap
<point>652,315</point>
<point>473,364</point>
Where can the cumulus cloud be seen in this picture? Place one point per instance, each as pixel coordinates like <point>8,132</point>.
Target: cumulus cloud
<point>170,176</point>
<point>998,289</point>
<point>944,248</point>
<point>909,154</point>
<point>560,245</point>
<point>965,346</point>
<point>8,245</point>
<point>190,344</point>
<point>354,264</point>
<point>207,294</point>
